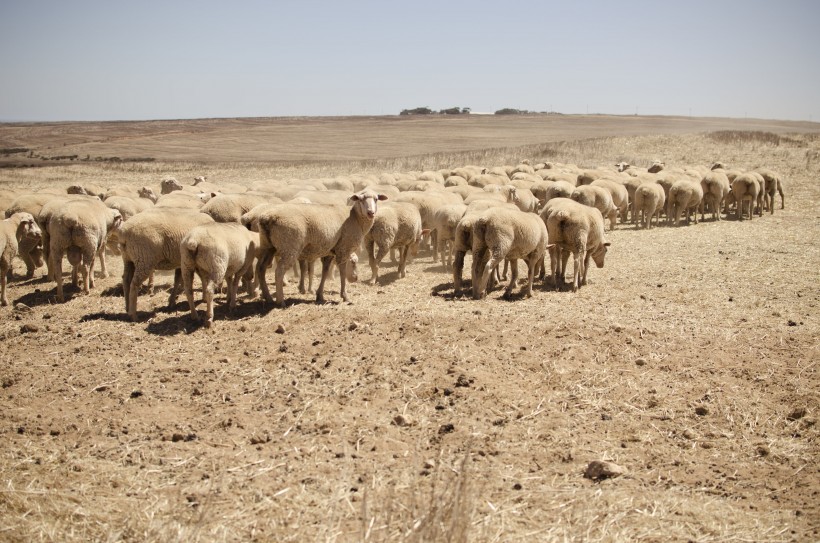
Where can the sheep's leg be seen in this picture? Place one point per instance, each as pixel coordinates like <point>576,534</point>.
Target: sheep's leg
<point>103,269</point>
<point>586,268</point>
<point>3,272</point>
<point>532,264</point>
<point>480,283</point>
<point>188,287</point>
<point>303,274</point>
<point>233,288</point>
<point>343,264</point>
<point>458,267</point>
<point>513,276</point>
<point>139,276</point>
<point>576,272</point>
<point>782,198</point>
<point>208,285</point>
<point>371,259</point>
<point>403,260</point>
<point>434,244</point>
<point>503,276</point>
<point>283,263</point>
<point>56,267</point>
<point>479,262</point>
<point>564,260</point>
<point>262,263</point>
<point>327,263</point>
<point>127,277</point>
<point>176,289</point>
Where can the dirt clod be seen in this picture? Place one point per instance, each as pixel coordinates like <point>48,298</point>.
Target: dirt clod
<point>598,470</point>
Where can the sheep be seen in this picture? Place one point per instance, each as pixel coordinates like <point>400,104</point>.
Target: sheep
<point>506,235</point>
<point>327,197</point>
<point>599,198</point>
<point>445,221</point>
<point>180,199</point>
<point>577,229</point>
<point>169,185</point>
<point>772,182</point>
<point>558,189</point>
<point>455,181</point>
<point>43,218</point>
<point>292,231</point>
<point>216,252</point>
<point>715,187</point>
<point>649,201</point>
<point>80,228</point>
<point>464,237</point>
<point>231,207</point>
<point>684,195</point>
<point>127,206</point>
<point>463,190</point>
<point>151,241</point>
<point>17,228</point>
<point>87,189</point>
<point>123,190</point>
<point>745,188</point>
<point>6,199</point>
<point>427,204</point>
<point>397,225</point>
<point>631,185</point>
<point>618,192</point>
<point>30,250</point>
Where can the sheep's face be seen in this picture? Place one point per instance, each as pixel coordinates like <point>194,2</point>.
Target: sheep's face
<point>656,167</point>
<point>148,192</point>
<point>599,255</point>
<point>367,202</point>
<point>76,189</point>
<point>622,166</point>
<point>28,229</point>
<point>170,185</point>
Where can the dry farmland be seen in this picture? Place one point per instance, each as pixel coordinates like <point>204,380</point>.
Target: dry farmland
<point>690,359</point>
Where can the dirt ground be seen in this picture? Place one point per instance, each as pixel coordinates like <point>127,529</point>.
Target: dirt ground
<point>690,360</point>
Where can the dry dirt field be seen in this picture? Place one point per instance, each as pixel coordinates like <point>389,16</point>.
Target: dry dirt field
<point>690,359</point>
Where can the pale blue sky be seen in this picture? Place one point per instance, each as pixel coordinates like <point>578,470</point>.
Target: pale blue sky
<point>106,60</point>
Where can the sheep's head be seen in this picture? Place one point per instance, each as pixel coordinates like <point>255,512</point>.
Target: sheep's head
<point>26,227</point>
<point>76,189</point>
<point>656,167</point>
<point>199,179</point>
<point>148,192</point>
<point>719,166</point>
<point>599,254</point>
<point>366,202</point>
<point>170,185</point>
<point>622,166</point>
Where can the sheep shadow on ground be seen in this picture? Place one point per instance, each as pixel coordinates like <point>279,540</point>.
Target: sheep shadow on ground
<point>47,297</point>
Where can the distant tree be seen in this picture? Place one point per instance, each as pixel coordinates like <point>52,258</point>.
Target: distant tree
<point>510,111</point>
<point>417,111</point>
<point>465,110</point>
<point>451,111</point>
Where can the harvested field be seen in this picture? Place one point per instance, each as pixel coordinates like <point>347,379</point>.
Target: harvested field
<point>690,360</point>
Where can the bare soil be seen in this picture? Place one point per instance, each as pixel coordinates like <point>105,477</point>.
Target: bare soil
<point>690,360</point>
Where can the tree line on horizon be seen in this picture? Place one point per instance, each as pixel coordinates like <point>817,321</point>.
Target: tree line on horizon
<point>464,111</point>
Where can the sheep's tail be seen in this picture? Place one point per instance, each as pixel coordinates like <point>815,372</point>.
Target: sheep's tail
<point>562,218</point>
<point>191,247</point>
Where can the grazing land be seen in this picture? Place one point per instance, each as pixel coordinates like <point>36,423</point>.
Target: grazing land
<point>690,360</point>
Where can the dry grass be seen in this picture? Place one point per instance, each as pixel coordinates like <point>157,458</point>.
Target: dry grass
<point>679,361</point>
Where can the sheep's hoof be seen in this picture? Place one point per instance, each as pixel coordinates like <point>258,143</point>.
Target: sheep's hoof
<point>209,323</point>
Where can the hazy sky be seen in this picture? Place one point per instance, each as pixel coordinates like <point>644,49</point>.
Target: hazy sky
<point>106,60</point>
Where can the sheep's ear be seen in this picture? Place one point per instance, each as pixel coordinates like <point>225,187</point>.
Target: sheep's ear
<point>607,244</point>
<point>353,199</point>
<point>382,197</point>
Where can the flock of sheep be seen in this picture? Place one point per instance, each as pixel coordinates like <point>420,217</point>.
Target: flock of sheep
<point>231,232</point>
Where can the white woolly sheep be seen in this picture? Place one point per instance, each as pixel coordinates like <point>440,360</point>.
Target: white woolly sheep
<point>618,192</point>
<point>745,188</point>
<point>216,252</point>
<point>577,229</point>
<point>685,195</point>
<point>445,221</point>
<point>464,237</point>
<point>599,198</point>
<point>506,235</point>
<point>427,203</point>
<point>30,250</point>
<point>292,232</point>
<point>649,202</point>
<point>87,189</point>
<point>773,182</point>
<point>231,207</point>
<point>180,199</point>
<point>80,229</point>
<point>20,226</point>
<point>151,241</point>
<point>396,225</point>
<point>715,187</point>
